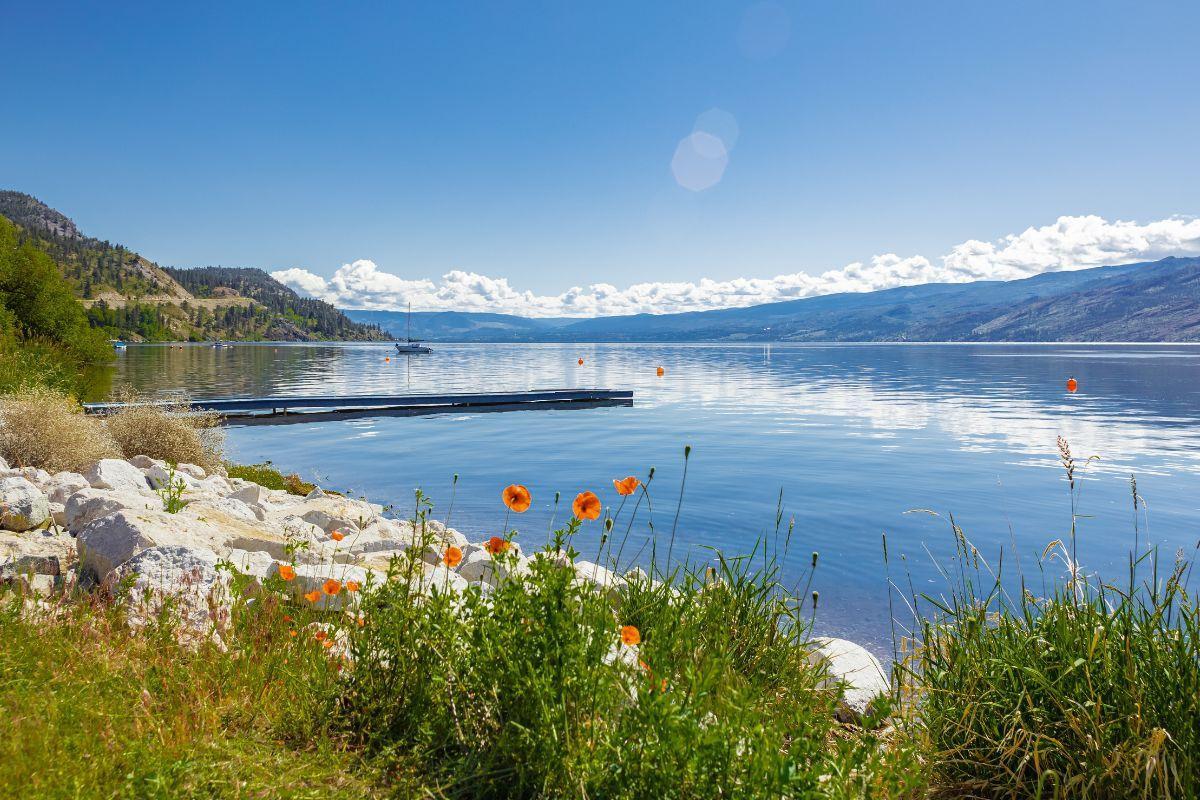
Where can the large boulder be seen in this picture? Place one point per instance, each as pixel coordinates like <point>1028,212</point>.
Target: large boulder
<point>854,670</point>
<point>162,476</point>
<point>88,505</point>
<point>63,485</point>
<point>184,581</point>
<point>23,507</point>
<point>35,552</point>
<point>114,473</point>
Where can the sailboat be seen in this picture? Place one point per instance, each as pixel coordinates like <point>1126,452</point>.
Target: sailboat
<point>411,346</point>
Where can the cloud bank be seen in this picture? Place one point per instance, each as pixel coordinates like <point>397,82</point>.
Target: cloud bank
<point>1070,243</point>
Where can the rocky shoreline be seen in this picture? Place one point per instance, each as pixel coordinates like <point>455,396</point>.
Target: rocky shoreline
<point>141,528</point>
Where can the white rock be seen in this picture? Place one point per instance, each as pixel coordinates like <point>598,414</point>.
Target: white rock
<point>58,513</point>
<point>851,666</point>
<point>37,552</point>
<point>145,462</point>
<point>38,477</point>
<point>195,471</point>
<point>3,464</point>
<point>183,579</point>
<point>482,567</point>
<point>88,505</point>
<point>114,473</point>
<point>22,505</point>
<point>216,484</point>
<point>256,564</point>
<point>162,476</point>
<point>249,493</point>
<point>439,579</point>
<point>65,484</point>
<point>315,493</point>
<point>227,505</point>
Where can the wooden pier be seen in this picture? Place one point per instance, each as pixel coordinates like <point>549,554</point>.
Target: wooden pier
<point>296,408</point>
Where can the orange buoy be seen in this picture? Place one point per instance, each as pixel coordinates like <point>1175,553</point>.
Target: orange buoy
<point>387,359</point>
<point>661,372</point>
<point>1072,385</point>
<point>581,362</point>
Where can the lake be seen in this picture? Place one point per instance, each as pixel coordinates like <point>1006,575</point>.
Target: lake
<point>855,436</point>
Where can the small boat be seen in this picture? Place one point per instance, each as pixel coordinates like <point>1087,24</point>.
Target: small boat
<point>411,346</point>
<point>118,344</point>
<point>221,344</point>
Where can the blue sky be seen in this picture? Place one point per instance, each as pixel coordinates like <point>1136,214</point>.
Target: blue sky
<point>534,142</point>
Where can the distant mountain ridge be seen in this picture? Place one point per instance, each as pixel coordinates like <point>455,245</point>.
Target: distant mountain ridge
<point>1155,301</point>
<point>132,298</point>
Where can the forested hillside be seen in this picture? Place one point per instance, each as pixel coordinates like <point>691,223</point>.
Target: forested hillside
<point>130,297</point>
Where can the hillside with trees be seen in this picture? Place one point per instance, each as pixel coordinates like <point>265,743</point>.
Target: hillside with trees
<point>129,297</point>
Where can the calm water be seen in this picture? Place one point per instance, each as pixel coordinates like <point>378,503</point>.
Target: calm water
<point>855,436</point>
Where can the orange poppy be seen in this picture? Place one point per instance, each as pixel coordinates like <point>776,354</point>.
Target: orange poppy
<point>1072,385</point>
<point>287,571</point>
<point>496,545</point>
<point>630,635</point>
<point>586,505</point>
<point>331,586</point>
<point>319,635</point>
<point>286,618</point>
<point>327,643</point>
<point>337,536</point>
<point>626,486</point>
<point>362,621</point>
<point>291,633</point>
<point>313,596</point>
<point>452,556</point>
<point>352,586</point>
<point>517,498</point>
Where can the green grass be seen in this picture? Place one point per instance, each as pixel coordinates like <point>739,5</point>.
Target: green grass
<point>265,475</point>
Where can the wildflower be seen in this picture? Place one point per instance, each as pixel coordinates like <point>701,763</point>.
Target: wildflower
<point>287,572</point>
<point>313,596</point>
<point>517,498</point>
<point>331,586</point>
<point>586,506</point>
<point>452,556</point>
<point>287,618</point>
<point>496,545</point>
<point>352,586</point>
<point>328,643</point>
<point>626,486</point>
<point>292,634</point>
<point>337,536</point>
<point>630,635</point>
<point>362,621</point>
<point>319,635</point>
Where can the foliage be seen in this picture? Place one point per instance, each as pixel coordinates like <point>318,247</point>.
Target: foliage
<point>1092,691</point>
<point>265,475</point>
<point>170,432</point>
<point>45,429</point>
<point>45,338</point>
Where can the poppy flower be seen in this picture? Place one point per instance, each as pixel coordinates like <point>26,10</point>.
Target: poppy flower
<point>496,545</point>
<point>291,633</point>
<point>352,586</point>
<point>337,536</point>
<point>331,586</point>
<point>626,486</point>
<point>362,621</point>
<point>313,596</point>
<point>328,643</point>
<point>287,572</point>
<point>517,498</point>
<point>319,635</point>
<point>586,506</point>
<point>630,635</point>
<point>452,556</point>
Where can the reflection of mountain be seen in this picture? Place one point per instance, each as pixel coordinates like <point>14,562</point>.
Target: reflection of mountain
<point>1152,302</point>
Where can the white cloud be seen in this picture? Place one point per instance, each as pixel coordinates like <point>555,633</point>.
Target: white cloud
<point>1070,243</point>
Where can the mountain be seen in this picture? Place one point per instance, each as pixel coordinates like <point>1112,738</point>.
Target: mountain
<point>1152,301</point>
<point>450,326</point>
<point>131,297</point>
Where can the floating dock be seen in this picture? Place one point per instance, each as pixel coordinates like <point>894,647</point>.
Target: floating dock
<point>296,408</point>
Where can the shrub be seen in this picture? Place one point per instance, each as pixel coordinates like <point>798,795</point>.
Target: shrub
<point>43,428</point>
<point>266,475</point>
<point>171,432</point>
<point>1090,692</point>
